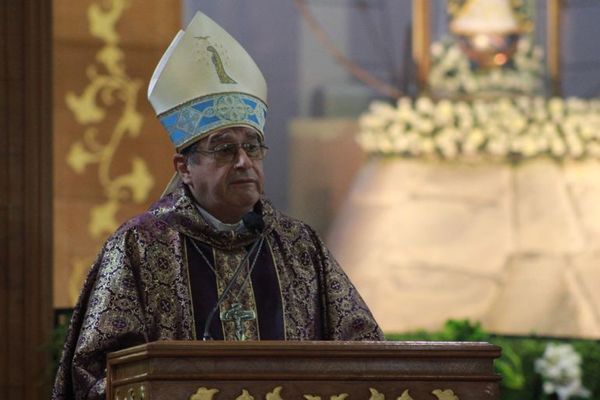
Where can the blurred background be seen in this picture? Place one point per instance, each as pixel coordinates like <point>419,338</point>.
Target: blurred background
<point>433,218</point>
<point>447,151</point>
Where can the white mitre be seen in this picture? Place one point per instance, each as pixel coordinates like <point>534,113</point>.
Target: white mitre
<point>205,81</point>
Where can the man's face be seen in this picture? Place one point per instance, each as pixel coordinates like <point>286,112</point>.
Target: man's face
<point>226,189</point>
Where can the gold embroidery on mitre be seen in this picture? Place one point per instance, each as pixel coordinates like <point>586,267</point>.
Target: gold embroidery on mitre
<point>217,56</point>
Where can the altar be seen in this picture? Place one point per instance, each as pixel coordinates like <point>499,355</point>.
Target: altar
<point>513,245</point>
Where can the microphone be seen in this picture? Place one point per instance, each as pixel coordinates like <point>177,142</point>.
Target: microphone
<point>254,223</point>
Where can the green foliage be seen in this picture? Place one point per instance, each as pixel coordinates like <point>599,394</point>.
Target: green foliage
<point>55,343</point>
<point>516,365</point>
<point>590,353</point>
<point>454,330</point>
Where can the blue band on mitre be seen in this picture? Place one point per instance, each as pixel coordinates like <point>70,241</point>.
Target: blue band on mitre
<point>188,122</point>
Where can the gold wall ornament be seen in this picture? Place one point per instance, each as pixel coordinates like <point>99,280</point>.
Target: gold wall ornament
<point>108,84</point>
<point>111,88</point>
<point>203,393</point>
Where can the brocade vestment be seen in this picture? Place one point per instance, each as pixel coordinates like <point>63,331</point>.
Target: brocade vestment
<point>139,289</point>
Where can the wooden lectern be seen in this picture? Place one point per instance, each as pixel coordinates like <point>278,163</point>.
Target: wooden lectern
<point>274,370</point>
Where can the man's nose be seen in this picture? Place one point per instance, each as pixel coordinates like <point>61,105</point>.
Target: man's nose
<point>242,160</point>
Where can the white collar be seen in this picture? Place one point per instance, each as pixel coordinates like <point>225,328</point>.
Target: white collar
<point>217,224</point>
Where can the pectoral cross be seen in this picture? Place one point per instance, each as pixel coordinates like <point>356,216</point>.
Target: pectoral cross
<point>238,315</point>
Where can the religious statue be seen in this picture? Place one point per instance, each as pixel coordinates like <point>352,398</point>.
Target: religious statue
<point>488,30</point>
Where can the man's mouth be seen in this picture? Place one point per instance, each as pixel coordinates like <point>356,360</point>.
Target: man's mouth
<point>242,181</point>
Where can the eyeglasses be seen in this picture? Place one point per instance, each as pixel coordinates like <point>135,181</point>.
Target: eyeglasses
<point>227,152</point>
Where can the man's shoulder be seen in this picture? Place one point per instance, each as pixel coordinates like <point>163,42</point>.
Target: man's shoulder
<point>146,224</point>
<point>294,229</point>
<point>288,222</point>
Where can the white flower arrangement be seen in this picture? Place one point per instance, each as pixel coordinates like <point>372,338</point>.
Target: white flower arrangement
<point>451,72</point>
<point>515,128</point>
<point>560,368</point>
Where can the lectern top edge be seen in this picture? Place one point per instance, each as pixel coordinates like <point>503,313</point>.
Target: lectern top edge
<point>169,348</point>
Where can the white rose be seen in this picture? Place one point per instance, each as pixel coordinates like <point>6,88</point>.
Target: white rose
<point>549,129</point>
<point>428,146</point>
<point>400,144</point>
<point>528,146</point>
<point>448,149</point>
<point>386,145</point>
<point>371,121</point>
<point>541,143</point>
<point>396,130</point>
<point>426,126</point>
<point>424,105</point>
<point>404,103</point>
<point>516,123</point>
<point>465,122</point>
<point>382,109</point>
<point>453,54</point>
<point>498,147</point>
<point>444,113</point>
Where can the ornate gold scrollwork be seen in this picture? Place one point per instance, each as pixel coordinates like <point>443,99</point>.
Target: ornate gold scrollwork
<point>447,394</point>
<point>245,396</point>
<point>275,394</point>
<point>341,396</point>
<point>405,396</point>
<point>376,395</point>
<point>204,393</point>
<point>108,85</point>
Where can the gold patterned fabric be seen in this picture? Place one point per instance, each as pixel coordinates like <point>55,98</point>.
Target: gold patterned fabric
<point>138,290</point>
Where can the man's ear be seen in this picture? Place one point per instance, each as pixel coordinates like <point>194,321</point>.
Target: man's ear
<point>181,166</point>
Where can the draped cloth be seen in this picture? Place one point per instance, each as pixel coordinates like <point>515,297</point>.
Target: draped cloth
<point>150,283</point>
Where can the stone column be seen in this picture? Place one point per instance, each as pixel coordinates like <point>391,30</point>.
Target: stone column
<point>25,198</point>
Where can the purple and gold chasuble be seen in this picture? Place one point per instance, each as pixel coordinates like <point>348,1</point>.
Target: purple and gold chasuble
<point>150,282</point>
